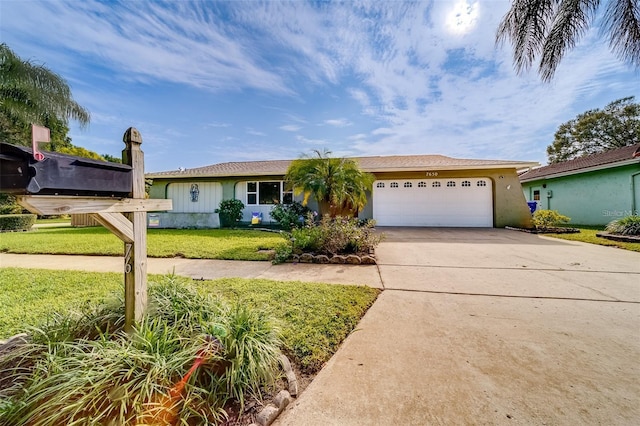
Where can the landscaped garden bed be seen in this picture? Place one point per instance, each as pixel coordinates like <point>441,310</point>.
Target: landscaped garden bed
<point>305,321</point>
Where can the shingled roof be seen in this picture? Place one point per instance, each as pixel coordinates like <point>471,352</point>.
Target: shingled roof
<point>370,164</point>
<point>605,159</point>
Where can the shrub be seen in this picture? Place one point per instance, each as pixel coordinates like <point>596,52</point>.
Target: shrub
<point>17,222</point>
<point>9,205</point>
<point>543,219</point>
<point>629,225</point>
<point>283,253</point>
<point>339,235</point>
<point>230,212</point>
<point>289,216</point>
<point>74,372</point>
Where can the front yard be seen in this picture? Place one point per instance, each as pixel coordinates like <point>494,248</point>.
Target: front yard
<point>189,243</point>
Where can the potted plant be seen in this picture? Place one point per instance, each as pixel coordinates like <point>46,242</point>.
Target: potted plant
<point>230,212</point>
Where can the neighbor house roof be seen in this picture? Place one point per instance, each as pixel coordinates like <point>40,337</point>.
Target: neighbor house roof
<point>393,163</point>
<point>613,158</point>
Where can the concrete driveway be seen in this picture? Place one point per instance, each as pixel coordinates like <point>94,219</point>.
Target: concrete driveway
<point>488,326</point>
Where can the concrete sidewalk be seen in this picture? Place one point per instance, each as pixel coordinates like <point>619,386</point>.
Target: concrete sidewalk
<point>205,268</point>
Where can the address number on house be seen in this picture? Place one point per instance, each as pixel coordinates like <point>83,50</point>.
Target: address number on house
<point>432,174</point>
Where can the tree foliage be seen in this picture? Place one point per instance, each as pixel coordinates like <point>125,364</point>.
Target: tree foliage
<point>597,130</point>
<point>32,93</point>
<point>338,184</point>
<point>547,29</point>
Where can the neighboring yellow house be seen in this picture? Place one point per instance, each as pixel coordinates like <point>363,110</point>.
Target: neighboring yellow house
<point>410,190</point>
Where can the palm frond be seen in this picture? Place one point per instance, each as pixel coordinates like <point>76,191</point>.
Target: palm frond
<point>41,91</point>
<point>622,23</point>
<point>526,25</point>
<point>572,20</point>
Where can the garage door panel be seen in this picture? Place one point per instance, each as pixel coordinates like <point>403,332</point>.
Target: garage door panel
<point>434,202</point>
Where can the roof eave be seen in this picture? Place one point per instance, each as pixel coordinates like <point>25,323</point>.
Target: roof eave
<point>187,175</point>
<point>517,166</point>
<point>584,170</point>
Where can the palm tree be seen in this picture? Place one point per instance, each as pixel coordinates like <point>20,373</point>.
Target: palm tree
<point>31,93</point>
<point>549,28</point>
<point>337,184</point>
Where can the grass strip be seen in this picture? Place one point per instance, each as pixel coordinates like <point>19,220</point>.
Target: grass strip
<point>188,243</point>
<point>588,235</point>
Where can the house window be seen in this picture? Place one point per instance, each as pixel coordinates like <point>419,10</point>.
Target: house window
<point>436,184</point>
<point>252,193</point>
<point>408,185</point>
<point>466,183</point>
<point>536,195</point>
<point>451,184</point>
<point>265,193</point>
<point>394,184</point>
<point>422,184</point>
<point>380,185</point>
<point>481,183</point>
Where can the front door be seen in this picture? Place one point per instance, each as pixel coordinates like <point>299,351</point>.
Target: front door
<point>536,195</point>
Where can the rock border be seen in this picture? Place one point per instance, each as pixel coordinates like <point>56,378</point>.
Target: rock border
<point>557,230</point>
<point>622,238</point>
<point>13,341</point>
<point>351,259</point>
<point>271,411</point>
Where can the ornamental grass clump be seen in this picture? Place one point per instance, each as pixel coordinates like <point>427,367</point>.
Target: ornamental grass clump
<point>629,225</point>
<point>83,369</point>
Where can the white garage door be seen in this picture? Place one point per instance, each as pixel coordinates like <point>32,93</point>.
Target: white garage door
<point>195,197</point>
<point>464,202</point>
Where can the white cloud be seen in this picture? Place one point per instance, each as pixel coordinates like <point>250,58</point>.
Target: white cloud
<point>215,124</point>
<point>181,43</point>
<point>290,128</point>
<point>254,132</point>
<point>317,143</point>
<point>338,122</point>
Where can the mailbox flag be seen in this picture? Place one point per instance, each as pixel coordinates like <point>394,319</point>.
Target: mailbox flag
<point>39,134</point>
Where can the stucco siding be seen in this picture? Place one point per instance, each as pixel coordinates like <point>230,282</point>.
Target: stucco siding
<point>593,198</point>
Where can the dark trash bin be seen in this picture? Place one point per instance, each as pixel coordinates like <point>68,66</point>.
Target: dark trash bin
<point>533,205</point>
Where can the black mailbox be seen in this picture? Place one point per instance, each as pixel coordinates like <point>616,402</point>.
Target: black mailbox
<point>61,174</point>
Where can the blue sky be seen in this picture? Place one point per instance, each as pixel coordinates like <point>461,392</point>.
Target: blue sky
<point>209,82</point>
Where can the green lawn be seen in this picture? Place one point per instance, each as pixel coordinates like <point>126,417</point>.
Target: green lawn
<point>587,234</point>
<point>189,243</point>
<point>314,318</point>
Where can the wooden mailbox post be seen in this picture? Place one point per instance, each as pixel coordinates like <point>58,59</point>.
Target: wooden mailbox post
<point>124,217</point>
